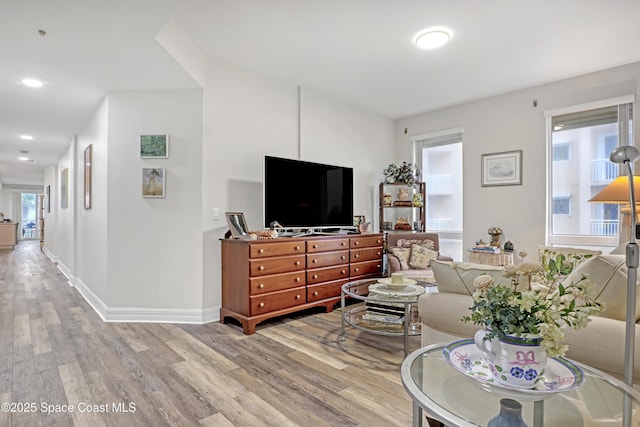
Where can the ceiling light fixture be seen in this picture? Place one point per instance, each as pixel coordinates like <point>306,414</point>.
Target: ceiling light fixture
<point>432,38</point>
<point>26,137</point>
<point>23,158</point>
<point>32,82</point>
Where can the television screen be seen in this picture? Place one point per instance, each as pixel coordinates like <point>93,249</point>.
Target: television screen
<point>301,194</point>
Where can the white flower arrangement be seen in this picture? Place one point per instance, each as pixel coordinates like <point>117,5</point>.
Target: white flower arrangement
<point>542,310</point>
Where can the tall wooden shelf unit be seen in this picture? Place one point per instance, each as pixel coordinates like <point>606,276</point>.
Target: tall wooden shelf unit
<point>390,212</point>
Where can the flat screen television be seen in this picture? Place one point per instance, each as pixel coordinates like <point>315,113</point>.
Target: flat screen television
<point>301,194</point>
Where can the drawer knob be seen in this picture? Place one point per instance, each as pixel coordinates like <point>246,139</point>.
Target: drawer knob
<point>315,294</point>
<point>297,279</point>
<point>343,243</point>
<point>315,276</point>
<point>379,253</point>
<point>297,262</point>
<point>343,272</point>
<point>261,305</point>
<point>343,257</point>
<point>261,285</point>
<point>356,269</point>
<point>356,243</point>
<point>356,256</point>
<point>297,248</point>
<point>298,296</point>
<point>261,251</point>
<point>314,261</point>
<point>315,246</point>
<point>261,268</point>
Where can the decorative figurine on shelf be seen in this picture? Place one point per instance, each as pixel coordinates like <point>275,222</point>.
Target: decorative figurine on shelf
<point>417,200</point>
<point>403,194</point>
<point>386,199</point>
<point>403,224</point>
<point>495,233</point>
<point>508,246</point>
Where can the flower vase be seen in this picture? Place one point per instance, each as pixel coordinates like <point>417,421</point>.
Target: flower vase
<point>510,415</point>
<point>514,361</point>
<point>495,240</point>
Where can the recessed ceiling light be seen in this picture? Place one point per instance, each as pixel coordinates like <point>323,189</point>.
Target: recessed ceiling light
<point>32,82</point>
<point>432,38</point>
<point>23,158</point>
<point>26,137</point>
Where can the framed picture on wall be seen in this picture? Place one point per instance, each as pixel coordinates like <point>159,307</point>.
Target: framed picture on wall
<point>153,182</point>
<point>64,188</point>
<point>48,199</point>
<point>88,153</point>
<point>154,146</point>
<point>503,168</point>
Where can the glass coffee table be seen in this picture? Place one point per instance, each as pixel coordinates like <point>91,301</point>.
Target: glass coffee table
<point>454,398</point>
<point>382,311</point>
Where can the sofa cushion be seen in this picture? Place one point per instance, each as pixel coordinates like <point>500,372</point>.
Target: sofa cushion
<point>457,277</point>
<point>573,257</point>
<point>421,257</point>
<point>402,254</point>
<point>609,275</point>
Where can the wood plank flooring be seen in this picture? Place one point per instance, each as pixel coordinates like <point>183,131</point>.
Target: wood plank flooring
<point>55,351</point>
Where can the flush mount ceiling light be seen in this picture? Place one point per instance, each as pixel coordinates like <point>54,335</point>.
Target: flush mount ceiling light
<point>32,82</point>
<point>26,137</point>
<point>432,38</point>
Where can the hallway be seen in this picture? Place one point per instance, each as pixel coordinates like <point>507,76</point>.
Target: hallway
<point>62,366</point>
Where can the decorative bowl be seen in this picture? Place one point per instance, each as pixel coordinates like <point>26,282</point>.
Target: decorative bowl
<point>397,286</point>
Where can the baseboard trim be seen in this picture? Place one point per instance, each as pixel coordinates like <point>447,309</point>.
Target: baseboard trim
<point>162,315</point>
<point>92,299</point>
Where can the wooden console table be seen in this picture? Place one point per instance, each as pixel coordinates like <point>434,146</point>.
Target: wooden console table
<point>8,235</point>
<point>262,279</point>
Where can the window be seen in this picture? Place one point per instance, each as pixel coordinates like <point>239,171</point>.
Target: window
<point>439,158</point>
<point>562,205</point>
<point>562,152</point>
<point>580,139</point>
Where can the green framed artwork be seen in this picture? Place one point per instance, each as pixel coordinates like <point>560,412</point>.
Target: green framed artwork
<point>154,146</point>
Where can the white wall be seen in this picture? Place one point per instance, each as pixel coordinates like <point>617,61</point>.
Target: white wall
<point>154,244</point>
<point>248,115</point>
<point>511,122</point>
<point>51,214</point>
<point>91,254</point>
<point>65,227</point>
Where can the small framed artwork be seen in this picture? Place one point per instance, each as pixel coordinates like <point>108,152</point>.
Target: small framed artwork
<point>48,199</point>
<point>153,182</point>
<point>358,220</point>
<point>88,153</point>
<point>64,188</point>
<point>503,168</point>
<point>154,146</point>
<point>237,225</point>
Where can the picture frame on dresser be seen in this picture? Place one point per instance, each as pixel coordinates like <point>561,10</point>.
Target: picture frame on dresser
<point>237,225</point>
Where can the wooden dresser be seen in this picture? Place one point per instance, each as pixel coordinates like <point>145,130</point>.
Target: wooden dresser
<point>267,278</point>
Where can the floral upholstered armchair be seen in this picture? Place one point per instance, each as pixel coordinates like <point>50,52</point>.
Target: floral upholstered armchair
<point>411,254</point>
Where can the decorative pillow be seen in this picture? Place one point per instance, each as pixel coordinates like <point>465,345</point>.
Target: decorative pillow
<point>403,255</point>
<point>421,257</point>
<point>407,243</point>
<point>609,275</point>
<point>458,277</point>
<point>560,261</point>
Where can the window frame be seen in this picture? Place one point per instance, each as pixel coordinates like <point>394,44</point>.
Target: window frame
<point>576,239</point>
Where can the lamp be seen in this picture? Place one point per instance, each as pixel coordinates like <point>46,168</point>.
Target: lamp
<point>625,154</point>
<point>617,192</point>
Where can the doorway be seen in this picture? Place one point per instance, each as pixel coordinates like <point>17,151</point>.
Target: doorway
<point>29,223</point>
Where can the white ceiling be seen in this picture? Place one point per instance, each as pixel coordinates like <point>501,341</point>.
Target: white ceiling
<point>359,51</point>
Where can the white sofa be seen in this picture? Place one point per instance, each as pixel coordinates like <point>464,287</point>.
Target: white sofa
<point>600,344</point>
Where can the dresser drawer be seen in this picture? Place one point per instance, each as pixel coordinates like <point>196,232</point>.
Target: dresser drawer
<point>258,250</point>
<point>327,245</point>
<point>327,259</point>
<point>369,254</point>
<point>264,284</point>
<point>327,274</point>
<point>367,267</point>
<point>325,290</point>
<point>285,264</point>
<point>365,241</point>
<point>265,303</point>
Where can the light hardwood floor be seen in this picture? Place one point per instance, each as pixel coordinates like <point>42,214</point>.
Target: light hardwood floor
<point>55,351</point>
